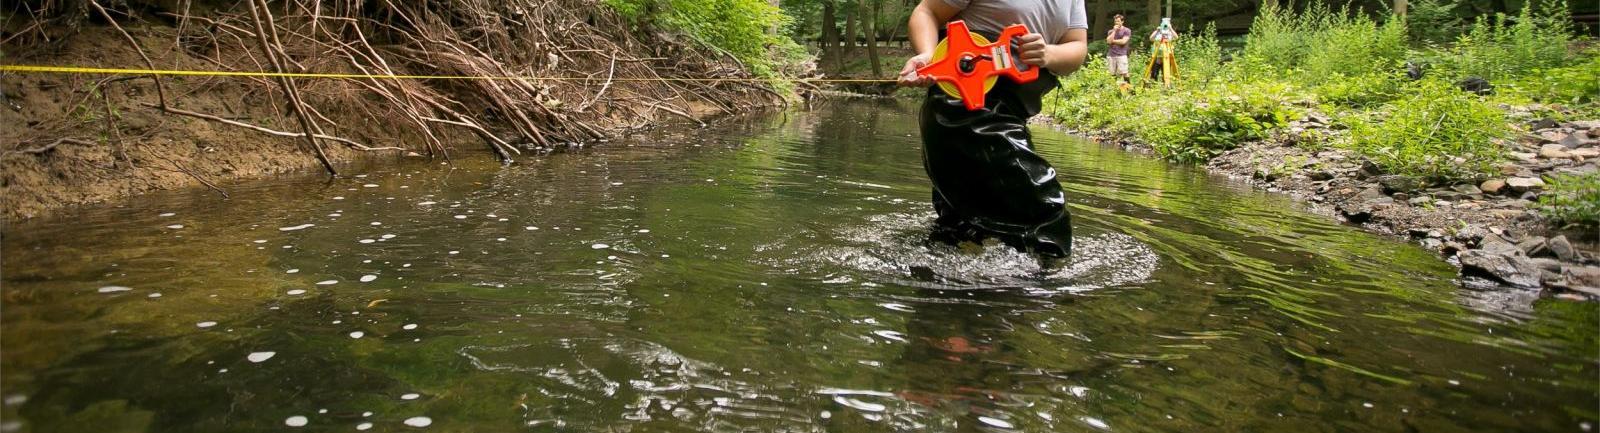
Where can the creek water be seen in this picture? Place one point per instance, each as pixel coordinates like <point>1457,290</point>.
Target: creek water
<point>768,274</point>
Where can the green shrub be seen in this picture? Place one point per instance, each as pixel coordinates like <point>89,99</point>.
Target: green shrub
<point>1277,40</point>
<point>1359,91</point>
<point>1088,99</point>
<point>1433,21</point>
<point>1352,45</point>
<point>1205,122</point>
<point>1199,55</point>
<point>1574,85</point>
<point>1572,199</point>
<point>1501,48</point>
<point>739,27</point>
<point>1438,133</point>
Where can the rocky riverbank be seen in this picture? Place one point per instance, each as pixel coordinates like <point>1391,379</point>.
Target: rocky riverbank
<point>1490,229</point>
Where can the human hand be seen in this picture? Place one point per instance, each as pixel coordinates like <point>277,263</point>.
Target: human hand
<point>909,76</point>
<point>1032,49</point>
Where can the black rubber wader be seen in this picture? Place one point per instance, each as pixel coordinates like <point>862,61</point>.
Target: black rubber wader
<point>987,181</point>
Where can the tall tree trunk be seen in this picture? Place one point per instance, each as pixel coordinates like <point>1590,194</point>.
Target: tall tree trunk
<point>1400,8</point>
<point>830,33</point>
<point>852,10</point>
<point>1152,9</point>
<point>1097,28</point>
<point>778,5</point>
<point>872,38</point>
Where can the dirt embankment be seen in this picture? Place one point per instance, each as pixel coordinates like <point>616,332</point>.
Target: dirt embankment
<point>1490,229</point>
<point>69,139</point>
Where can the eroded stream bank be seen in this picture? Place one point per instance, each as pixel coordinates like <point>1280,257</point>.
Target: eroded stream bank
<point>772,277</point>
<point>74,138</point>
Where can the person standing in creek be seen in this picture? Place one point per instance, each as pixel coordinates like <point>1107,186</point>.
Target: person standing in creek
<point>987,180</point>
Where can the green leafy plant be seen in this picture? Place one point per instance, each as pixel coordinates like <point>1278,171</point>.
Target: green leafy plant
<point>1359,91</point>
<point>1501,48</point>
<point>1572,199</point>
<point>1439,133</point>
<point>742,28</point>
<point>1575,85</point>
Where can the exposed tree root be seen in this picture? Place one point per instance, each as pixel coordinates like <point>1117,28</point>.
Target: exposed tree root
<point>583,41</point>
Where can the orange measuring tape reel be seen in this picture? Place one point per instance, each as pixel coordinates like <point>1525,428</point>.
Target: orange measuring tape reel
<point>966,65</point>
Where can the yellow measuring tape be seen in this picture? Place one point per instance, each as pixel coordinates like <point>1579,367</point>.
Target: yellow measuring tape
<point>200,73</point>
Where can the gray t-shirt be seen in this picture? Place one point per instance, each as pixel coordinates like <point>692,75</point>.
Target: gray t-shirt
<point>1050,18</point>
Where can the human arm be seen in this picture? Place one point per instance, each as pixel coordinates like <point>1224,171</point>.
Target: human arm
<point>926,19</point>
<point>1062,57</point>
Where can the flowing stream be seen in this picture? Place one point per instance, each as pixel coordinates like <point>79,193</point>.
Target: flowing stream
<point>770,277</point>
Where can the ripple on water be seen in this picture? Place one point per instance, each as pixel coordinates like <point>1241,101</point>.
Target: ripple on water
<point>644,374</point>
<point>895,248</point>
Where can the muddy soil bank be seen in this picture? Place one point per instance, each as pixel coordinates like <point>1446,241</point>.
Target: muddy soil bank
<point>1489,228</point>
<point>70,139</point>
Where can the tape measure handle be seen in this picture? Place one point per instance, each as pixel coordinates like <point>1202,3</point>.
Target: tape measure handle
<point>1018,72</point>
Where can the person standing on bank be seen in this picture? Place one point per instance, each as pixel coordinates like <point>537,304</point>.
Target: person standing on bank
<point>987,180</point>
<point>1117,53</point>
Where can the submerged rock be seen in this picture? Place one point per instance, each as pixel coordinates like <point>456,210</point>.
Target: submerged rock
<point>1511,269</point>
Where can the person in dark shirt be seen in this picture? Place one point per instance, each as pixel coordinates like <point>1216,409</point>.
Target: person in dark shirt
<point>1117,54</point>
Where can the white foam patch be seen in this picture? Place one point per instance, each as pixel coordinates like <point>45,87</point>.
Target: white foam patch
<point>419,421</point>
<point>368,278</point>
<point>206,324</point>
<point>296,292</point>
<point>298,227</point>
<point>599,246</point>
<point>409,326</point>
<point>113,289</point>
<point>364,426</point>
<point>175,226</point>
<point>259,357</point>
<point>327,282</point>
<point>995,422</point>
<point>296,421</point>
<point>888,248</point>
<point>410,396</point>
<point>357,334</point>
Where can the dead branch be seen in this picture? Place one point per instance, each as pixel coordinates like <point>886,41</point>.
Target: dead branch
<point>48,147</point>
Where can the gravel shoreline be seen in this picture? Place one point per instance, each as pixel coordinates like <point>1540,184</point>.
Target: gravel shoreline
<point>1488,229</point>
